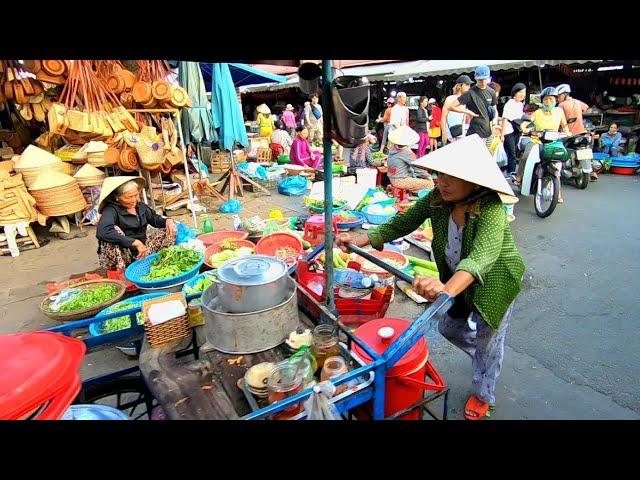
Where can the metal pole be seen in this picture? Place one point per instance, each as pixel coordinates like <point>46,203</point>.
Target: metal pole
<point>327,109</point>
<point>540,78</point>
<point>186,172</point>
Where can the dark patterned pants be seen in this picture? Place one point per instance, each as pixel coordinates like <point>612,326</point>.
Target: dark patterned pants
<point>116,257</point>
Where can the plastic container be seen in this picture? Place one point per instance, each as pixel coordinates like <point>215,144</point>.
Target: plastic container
<point>141,268</point>
<point>273,244</point>
<point>352,278</point>
<point>377,219</point>
<point>285,380</point>
<point>324,343</point>
<point>221,235</point>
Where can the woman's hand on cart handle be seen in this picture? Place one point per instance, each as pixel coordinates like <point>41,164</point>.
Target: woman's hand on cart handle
<point>358,240</point>
<point>428,287</point>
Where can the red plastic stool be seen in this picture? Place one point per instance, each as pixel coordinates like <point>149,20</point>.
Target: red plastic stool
<point>314,229</point>
<point>399,193</point>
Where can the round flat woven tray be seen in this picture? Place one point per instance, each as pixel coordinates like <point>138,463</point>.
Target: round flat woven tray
<point>87,312</point>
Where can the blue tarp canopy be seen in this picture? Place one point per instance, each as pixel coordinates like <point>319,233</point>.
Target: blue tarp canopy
<point>243,74</point>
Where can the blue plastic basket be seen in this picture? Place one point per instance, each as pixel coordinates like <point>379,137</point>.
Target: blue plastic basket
<point>632,160</point>
<point>600,156</point>
<point>315,209</point>
<point>377,219</point>
<point>96,328</point>
<point>140,268</point>
<point>191,283</point>
<point>355,223</point>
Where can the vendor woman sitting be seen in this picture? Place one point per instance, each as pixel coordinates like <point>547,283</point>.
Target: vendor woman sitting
<point>128,229</point>
<point>401,172</point>
<point>301,153</point>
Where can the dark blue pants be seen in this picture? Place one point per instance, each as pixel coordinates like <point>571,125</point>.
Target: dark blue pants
<point>510,142</point>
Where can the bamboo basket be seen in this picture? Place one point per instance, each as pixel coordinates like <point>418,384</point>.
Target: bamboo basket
<point>87,312</point>
<point>166,332</point>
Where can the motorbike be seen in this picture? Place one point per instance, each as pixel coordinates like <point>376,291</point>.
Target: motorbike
<point>543,158</point>
<point>578,163</point>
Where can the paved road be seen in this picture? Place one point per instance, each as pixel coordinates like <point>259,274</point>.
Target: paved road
<point>572,351</point>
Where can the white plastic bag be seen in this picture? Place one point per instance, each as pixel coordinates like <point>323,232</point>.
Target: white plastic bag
<point>500,156</point>
<point>318,406</point>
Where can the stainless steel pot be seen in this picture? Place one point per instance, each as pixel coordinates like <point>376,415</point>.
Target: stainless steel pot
<point>244,333</point>
<point>252,283</point>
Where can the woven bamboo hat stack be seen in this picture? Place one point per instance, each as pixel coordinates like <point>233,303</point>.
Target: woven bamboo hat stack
<point>89,176</point>
<point>33,161</point>
<point>57,194</point>
<point>95,154</point>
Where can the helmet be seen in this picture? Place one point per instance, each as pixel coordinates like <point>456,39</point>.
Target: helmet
<point>549,92</point>
<point>563,88</point>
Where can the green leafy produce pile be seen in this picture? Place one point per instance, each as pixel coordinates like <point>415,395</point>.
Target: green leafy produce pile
<point>171,262</point>
<point>378,155</point>
<point>120,323</point>
<point>200,286</point>
<point>89,298</point>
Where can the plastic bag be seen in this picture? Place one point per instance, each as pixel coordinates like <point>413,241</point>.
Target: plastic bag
<point>184,233</point>
<point>231,206</point>
<point>318,406</point>
<point>500,156</point>
<point>195,244</point>
<point>63,297</point>
<point>293,186</point>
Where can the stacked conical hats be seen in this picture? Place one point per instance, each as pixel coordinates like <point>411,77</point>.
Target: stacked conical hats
<point>57,194</point>
<point>95,154</point>
<point>89,176</point>
<point>33,161</point>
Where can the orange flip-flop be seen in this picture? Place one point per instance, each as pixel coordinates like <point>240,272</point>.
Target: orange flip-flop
<point>475,409</point>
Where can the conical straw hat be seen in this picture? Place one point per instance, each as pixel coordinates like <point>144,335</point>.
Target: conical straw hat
<point>262,108</point>
<point>50,179</point>
<point>88,171</point>
<point>95,147</point>
<point>34,157</point>
<point>111,183</point>
<point>404,136</point>
<point>470,160</point>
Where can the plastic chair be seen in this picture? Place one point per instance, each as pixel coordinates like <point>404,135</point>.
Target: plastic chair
<point>399,193</point>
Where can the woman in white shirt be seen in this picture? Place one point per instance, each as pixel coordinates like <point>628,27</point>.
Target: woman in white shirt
<point>513,110</point>
<point>454,120</point>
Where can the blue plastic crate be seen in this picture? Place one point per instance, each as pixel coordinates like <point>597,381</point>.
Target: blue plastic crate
<point>140,268</point>
<point>96,328</point>
<point>377,219</point>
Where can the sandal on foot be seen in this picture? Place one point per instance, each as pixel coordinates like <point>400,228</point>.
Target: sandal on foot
<point>475,409</point>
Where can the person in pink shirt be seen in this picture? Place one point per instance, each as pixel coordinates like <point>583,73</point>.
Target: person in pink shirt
<point>573,109</point>
<point>289,120</point>
<point>301,153</point>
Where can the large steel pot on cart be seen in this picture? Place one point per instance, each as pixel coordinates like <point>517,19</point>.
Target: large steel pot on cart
<point>249,332</point>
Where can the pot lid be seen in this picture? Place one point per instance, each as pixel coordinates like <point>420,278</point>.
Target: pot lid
<point>251,270</point>
<point>33,367</point>
<point>379,334</point>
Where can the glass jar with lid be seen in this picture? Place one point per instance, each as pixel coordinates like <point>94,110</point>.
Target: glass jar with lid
<point>285,380</point>
<point>324,343</point>
<point>334,367</point>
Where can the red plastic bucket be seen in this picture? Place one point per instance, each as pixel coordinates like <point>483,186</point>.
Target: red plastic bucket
<point>405,381</point>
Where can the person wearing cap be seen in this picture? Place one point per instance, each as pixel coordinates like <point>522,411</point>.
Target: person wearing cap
<point>451,119</point>
<point>282,138</point>
<point>399,113</point>
<point>435,117</point>
<point>362,157</point>
<point>301,153</point>
<point>513,110</point>
<point>129,229</point>
<point>400,171</point>
<point>422,125</point>
<point>573,109</point>
<point>479,102</point>
<point>549,118</point>
<point>477,258</point>
<point>289,120</point>
<point>265,120</point>
<point>385,119</point>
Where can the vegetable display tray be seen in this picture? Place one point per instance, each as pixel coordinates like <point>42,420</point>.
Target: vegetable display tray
<point>140,268</point>
<point>96,328</point>
<point>86,312</point>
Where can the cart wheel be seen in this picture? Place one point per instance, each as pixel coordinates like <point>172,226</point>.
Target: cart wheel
<point>128,394</point>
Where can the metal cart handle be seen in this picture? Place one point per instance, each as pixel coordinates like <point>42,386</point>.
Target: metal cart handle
<point>382,264</point>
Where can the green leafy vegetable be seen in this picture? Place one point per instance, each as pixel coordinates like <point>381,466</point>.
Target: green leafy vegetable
<point>120,323</point>
<point>89,298</point>
<point>171,262</point>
